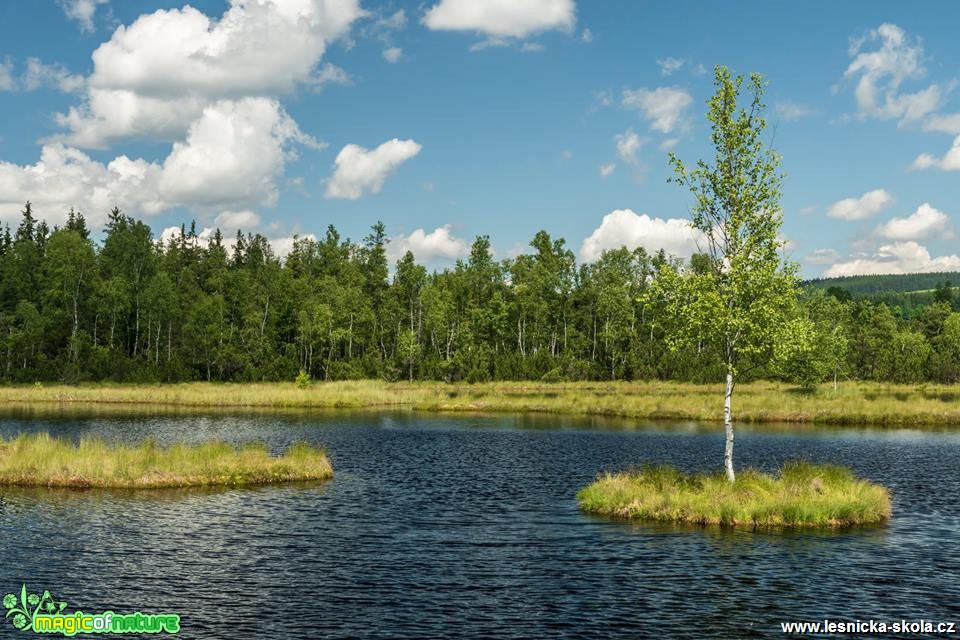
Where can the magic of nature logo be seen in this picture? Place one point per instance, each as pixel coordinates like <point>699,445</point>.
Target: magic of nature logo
<point>43,613</point>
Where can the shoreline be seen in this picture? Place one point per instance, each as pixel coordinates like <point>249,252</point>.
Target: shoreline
<point>855,403</point>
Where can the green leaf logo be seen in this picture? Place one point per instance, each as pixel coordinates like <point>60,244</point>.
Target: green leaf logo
<point>24,609</point>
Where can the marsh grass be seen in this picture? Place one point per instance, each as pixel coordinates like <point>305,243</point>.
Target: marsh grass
<point>802,495</point>
<point>39,460</point>
<point>854,403</point>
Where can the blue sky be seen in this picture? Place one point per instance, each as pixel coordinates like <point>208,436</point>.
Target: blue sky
<point>452,118</point>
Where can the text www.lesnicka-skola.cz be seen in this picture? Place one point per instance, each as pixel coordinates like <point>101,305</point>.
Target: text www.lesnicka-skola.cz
<point>905,627</point>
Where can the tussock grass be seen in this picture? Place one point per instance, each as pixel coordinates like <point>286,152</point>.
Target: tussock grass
<point>41,460</point>
<point>803,495</point>
<point>854,403</point>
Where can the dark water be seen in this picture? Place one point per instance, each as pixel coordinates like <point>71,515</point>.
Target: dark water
<point>467,527</point>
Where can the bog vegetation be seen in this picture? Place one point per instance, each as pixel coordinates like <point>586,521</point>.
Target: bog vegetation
<point>802,495</point>
<point>32,460</point>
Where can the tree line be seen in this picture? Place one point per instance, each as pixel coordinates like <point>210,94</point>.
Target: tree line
<point>131,308</point>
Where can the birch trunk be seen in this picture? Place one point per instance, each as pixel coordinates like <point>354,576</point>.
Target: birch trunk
<point>728,428</point>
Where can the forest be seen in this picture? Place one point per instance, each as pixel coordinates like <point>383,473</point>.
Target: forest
<point>133,309</point>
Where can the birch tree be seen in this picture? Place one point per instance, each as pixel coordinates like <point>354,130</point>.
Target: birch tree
<point>739,299</point>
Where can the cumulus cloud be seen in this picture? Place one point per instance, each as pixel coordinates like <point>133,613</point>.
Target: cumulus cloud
<point>155,76</point>
<point>498,19</point>
<point>662,107</point>
<point>868,204</point>
<point>898,257</point>
<point>439,243</point>
<point>233,220</point>
<point>82,11</point>
<point>232,157</point>
<point>924,221</point>
<point>358,171</point>
<point>392,54</point>
<point>949,162</point>
<point>607,169</point>
<point>624,228</point>
<point>790,111</point>
<point>628,143</point>
<point>880,71</point>
<point>64,177</point>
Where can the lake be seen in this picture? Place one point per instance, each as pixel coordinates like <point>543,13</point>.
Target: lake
<point>461,526</point>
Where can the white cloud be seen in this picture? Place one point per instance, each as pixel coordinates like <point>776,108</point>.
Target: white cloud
<point>439,243</point>
<point>607,169</point>
<point>943,123</point>
<point>624,228</point>
<point>668,66</point>
<point>791,111</point>
<point>865,206</point>
<point>668,143</point>
<point>532,47</point>
<point>330,73</point>
<point>924,221</point>
<point>358,170</point>
<point>628,143</point>
<point>586,36</point>
<point>82,11</point>
<point>232,157</point>
<point>7,83</point>
<point>392,54</point>
<point>55,76</point>
<point>64,177</point>
<point>662,107</point>
<point>822,256</point>
<point>233,220</point>
<point>233,154</point>
<point>112,114</point>
<point>155,76</point>
<point>880,72</point>
<point>501,19</point>
<point>949,162</point>
<point>898,257</point>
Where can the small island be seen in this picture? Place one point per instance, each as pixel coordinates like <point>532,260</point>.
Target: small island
<point>802,495</point>
<point>40,460</point>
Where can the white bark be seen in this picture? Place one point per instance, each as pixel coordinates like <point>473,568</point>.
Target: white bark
<point>728,428</point>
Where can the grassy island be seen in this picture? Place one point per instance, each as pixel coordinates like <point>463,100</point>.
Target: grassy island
<point>39,460</point>
<point>802,495</point>
<point>868,403</point>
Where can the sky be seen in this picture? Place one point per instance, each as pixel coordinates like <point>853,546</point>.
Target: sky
<point>448,119</point>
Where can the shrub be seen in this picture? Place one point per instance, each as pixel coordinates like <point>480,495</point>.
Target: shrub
<point>303,380</point>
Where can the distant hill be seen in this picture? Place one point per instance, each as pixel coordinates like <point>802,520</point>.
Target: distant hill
<point>901,283</point>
